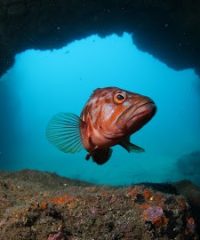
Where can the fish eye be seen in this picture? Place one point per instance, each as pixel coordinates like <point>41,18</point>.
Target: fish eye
<point>119,98</point>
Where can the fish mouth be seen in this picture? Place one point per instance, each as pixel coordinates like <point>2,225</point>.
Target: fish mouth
<point>135,117</point>
<point>145,109</point>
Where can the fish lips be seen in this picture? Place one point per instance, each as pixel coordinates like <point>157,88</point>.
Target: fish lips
<point>136,116</point>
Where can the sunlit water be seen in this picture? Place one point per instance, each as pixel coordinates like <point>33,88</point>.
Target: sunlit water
<point>43,83</point>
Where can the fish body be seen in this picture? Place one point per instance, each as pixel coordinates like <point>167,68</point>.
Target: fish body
<point>109,117</point>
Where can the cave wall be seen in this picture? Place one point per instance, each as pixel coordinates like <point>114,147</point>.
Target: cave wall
<point>169,30</point>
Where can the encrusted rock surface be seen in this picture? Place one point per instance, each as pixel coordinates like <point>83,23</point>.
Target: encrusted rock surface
<point>37,206</point>
<point>170,30</point>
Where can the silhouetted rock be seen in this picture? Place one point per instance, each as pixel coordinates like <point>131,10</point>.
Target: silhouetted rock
<point>189,166</point>
<point>169,29</point>
<point>40,205</point>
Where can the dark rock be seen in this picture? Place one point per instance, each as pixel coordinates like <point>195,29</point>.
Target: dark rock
<point>36,205</point>
<point>139,198</point>
<point>189,166</point>
<point>192,194</point>
<point>167,29</point>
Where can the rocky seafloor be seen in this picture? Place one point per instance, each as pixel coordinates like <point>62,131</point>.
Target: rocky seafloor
<point>44,206</point>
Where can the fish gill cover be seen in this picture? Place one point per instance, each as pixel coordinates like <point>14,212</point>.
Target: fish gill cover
<point>43,83</point>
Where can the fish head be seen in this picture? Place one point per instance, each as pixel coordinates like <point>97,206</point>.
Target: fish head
<point>113,113</point>
<point>137,110</point>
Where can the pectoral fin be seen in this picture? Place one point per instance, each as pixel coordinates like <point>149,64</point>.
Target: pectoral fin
<point>63,131</point>
<point>130,147</point>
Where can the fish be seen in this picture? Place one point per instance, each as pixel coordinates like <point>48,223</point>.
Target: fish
<point>110,116</point>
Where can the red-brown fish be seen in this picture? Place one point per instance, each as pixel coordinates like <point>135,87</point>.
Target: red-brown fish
<point>109,117</point>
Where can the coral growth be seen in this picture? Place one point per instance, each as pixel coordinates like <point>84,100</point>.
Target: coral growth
<point>153,214</point>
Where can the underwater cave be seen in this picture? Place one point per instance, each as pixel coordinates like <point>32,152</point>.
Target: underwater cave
<point>43,83</point>
<point>53,55</point>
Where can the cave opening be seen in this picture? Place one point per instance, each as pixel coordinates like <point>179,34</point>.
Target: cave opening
<point>42,83</point>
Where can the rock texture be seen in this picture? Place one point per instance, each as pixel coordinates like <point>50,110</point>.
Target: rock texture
<point>39,206</point>
<point>170,30</point>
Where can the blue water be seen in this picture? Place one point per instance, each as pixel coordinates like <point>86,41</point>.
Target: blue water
<point>43,83</point>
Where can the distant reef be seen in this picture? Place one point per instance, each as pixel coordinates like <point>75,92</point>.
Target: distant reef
<point>43,206</point>
<point>169,30</point>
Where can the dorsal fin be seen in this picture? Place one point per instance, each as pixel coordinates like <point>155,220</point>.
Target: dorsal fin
<point>63,131</point>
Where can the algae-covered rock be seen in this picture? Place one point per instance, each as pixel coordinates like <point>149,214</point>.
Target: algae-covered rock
<point>37,205</point>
